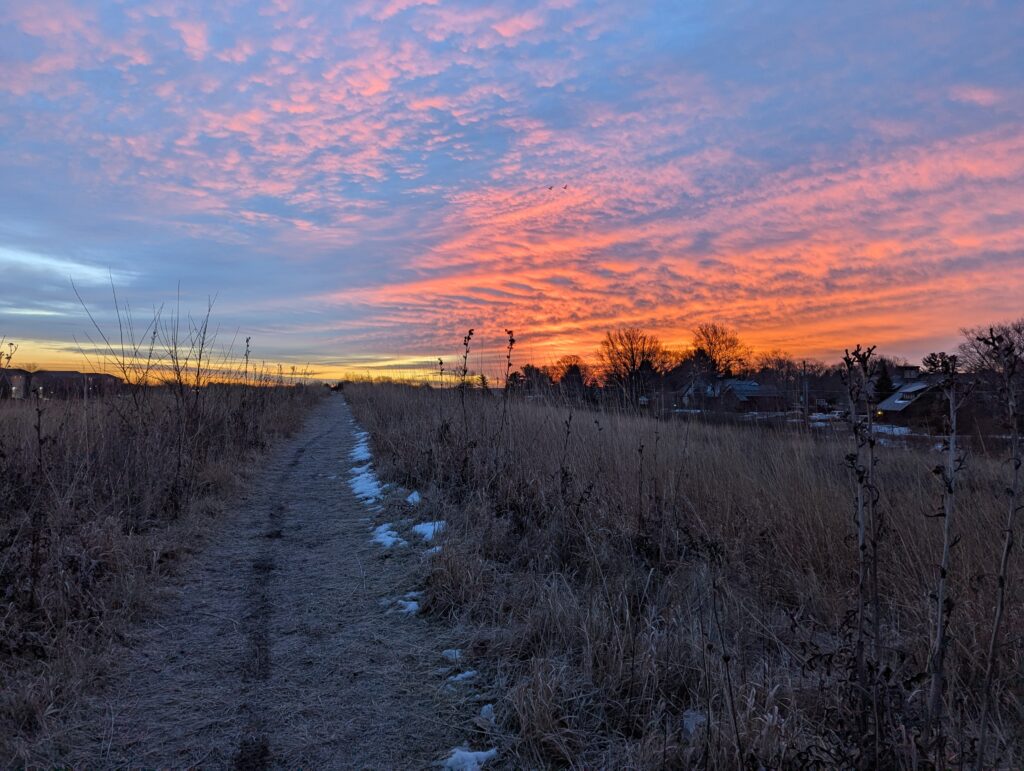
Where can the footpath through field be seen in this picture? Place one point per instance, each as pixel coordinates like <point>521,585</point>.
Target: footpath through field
<point>275,649</point>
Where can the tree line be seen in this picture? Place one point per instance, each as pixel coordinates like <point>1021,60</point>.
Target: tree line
<point>634,362</point>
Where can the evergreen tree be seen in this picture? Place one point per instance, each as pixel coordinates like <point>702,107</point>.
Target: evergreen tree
<point>884,387</point>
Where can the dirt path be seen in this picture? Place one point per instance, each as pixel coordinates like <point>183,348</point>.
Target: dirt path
<point>276,650</point>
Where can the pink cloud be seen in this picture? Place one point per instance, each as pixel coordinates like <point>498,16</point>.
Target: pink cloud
<point>514,26</point>
<point>194,36</point>
<point>238,53</point>
<point>978,95</point>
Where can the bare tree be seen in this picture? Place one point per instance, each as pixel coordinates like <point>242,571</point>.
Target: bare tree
<point>977,356</point>
<point>572,374</point>
<point>722,346</point>
<point>956,393</point>
<point>781,370</point>
<point>631,358</point>
<point>535,379</point>
<point>859,369</point>
<point>1004,354</point>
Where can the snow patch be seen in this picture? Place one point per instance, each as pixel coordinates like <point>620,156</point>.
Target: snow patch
<point>452,654</point>
<point>693,719</point>
<point>462,677</point>
<point>465,759</point>
<point>433,550</point>
<point>487,714</point>
<point>428,530</point>
<point>408,607</point>
<point>414,498</point>
<point>386,536</point>
<point>361,452</point>
<point>883,428</point>
<point>365,484</point>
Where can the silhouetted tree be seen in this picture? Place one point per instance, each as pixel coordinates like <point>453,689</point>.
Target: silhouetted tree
<point>984,360</point>
<point>535,379</point>
<point>779,369</point>
<point>632,359</point>
<point>573,376</point>
<point>723,347</point>
<point>884,387</point>
<point>515,382</point>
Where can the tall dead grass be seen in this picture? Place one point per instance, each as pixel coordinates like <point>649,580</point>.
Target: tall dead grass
<point>100,495</point>
<point>674,594</point>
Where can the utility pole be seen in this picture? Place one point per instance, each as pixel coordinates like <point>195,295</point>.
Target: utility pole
<point>807,393</point>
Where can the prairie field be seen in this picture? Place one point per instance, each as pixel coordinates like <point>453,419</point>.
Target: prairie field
<point>670,594</point>
<point>99,498</point>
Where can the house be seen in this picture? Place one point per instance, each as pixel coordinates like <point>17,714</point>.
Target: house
<point>14,383</point>
<point>917,402</point>
<point>729,395</point>
<point>750,396</point>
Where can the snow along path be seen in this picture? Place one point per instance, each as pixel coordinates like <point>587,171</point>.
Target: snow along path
<point>275,649</point>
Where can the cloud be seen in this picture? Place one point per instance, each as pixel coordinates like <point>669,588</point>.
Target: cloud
<point>194,36</point>
<point>977,95</point>
<point>61,268</point>
<point>368,181</point>
<point>514,26</point>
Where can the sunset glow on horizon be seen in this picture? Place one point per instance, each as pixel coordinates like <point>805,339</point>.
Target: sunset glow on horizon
<point>360,183</point>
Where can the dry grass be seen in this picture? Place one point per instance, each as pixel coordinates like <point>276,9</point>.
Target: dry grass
<point>672,594</point>
<point>98,498</point>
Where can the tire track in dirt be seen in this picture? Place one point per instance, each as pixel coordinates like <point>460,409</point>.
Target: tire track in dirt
<point>275,649</point>
<point>254,750</point>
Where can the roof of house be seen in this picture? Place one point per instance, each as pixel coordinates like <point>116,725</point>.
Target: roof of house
<point>905,396</point>
<point>750,389</point>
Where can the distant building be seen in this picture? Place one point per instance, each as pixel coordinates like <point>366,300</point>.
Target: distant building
<point>750,396</point>
<point>14,383</point>
<point>72,384</point>
<point>53,384</point>
<point>729,395</point>
<point>916,402</point>
<point>905,373</point>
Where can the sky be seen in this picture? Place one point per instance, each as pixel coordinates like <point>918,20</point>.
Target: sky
<point>359,183</point>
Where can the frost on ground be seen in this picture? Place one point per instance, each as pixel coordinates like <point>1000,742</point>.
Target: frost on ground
<point>386,536</point>
<point>465,759</point>
<point>428,530</point>
<point>414,498</point>
<point>294,664</point>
